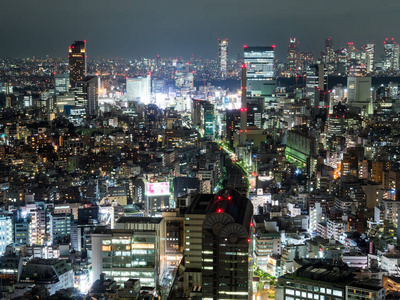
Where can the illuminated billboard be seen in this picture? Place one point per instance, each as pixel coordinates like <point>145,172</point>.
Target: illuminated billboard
<point>157,188</point>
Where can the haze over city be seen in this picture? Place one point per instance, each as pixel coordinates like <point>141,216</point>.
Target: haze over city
<point>133,29</point>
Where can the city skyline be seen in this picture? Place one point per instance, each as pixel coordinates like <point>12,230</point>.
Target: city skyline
<point>133,30</point>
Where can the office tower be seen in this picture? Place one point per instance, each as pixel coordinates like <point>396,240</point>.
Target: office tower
<point>260,70</point>
<point>396,54</point>
<point>316,81</point>
<point>61,84</point>
<point>223,56</point>
<point>328,56</point>
<point>292,57</point>
<point>359,89</point>
<point>300,149</point>
<point>351,51</point>
<point>77,62</point>
<point>226,247</point>
<point>139,89</point>
<point>370,57</point>
<point>255,109</point>
<point>232,125</point>
<point>342,65</point>
<point>390,55</point>
<point>306,60</point>
<point>243,109</point>
<point>89,87</point>
<point>359,94</point>
<point>207,110</point>
<point>135,249</point>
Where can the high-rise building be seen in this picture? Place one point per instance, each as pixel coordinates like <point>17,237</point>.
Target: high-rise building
<point>208,115</point>
<point>77,62</point>
<point>390,55</point>
<point>359,89</point>
<point>306,59</point>
<point>139,88</point>
<point>226,247</point>
<point>223,56</point>
<point>135,249</point>
<point>328,56</point>
<point>90,86</point>
<point>292,57</point>
<point>243,109</point>
<point>316,81</point>
<point>61,84</point>
<point>370,57</point>
<point>351,51</point>
<point>260,70</point>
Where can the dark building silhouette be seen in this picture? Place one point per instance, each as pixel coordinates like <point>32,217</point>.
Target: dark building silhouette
<point>77,62</point>
<point>90,86</point>
<point>226,247</point>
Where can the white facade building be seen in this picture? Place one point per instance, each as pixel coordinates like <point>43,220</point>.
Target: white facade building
<point>139,88</point>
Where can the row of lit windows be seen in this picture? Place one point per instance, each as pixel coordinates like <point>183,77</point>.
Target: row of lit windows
<point>321,290</point>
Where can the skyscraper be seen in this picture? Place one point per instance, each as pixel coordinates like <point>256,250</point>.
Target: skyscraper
<point>292,57</point>
<point>260,70</point>
<point>77,62</point>
<point>328,56</point>
<point>370,57</point>
<point>390,55</point>
<point>243,109</point>
<point>316,82</point>
<point>306,59</point>
<point>139,88</point>
<point>223,56</point>
<point>90,86</point>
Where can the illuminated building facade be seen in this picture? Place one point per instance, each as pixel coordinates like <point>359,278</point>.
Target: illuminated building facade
<point>77,62</point>
<point>90,86</point>
<point>260,70</point>
<point>6,231</point>
<point>61,84</point>
<point>390,55</point>
<point>300,148</point>
<point>306,59</point>
<point>370,57</point>
<point>292,57</point>
<point>223,56</point>
<point>328,56</point>
<point>316,81</point>
<point>135,249</point>
<point>227,267</point>
<point>139,88</point>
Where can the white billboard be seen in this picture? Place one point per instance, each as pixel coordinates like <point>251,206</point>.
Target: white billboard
<point>157,188</point>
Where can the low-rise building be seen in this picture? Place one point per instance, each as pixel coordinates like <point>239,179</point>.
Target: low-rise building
<point>52,274</point>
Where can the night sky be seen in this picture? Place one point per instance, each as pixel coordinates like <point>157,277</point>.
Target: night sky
<point>145,28</point>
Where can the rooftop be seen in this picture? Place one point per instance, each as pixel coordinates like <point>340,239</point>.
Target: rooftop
<point>140,220</point>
